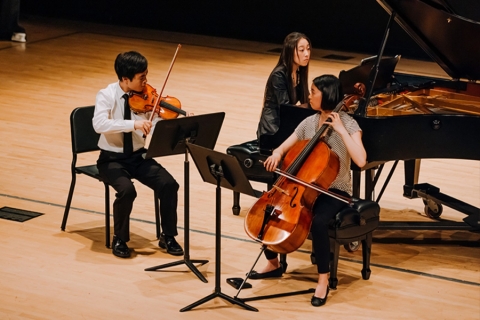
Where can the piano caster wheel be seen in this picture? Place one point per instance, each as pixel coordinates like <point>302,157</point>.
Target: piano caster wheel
<point>432,209</point>
<point>352,246</point>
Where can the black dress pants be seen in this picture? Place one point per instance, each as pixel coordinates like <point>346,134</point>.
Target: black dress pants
<point>9,14</point>
<point>324,209</point>
<point>118,171</point>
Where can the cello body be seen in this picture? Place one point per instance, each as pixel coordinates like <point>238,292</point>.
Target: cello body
<point>281,218</point>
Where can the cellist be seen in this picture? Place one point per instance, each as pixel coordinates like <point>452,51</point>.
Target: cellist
<point>344,136</point>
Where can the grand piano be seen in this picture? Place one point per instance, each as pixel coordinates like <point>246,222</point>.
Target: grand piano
<point>407,117</point>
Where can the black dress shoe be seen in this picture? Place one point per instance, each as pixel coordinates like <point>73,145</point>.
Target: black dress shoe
<point>120,248</point>
<point>169,243</point>
<point>318,302</point>
<point>270,274</point>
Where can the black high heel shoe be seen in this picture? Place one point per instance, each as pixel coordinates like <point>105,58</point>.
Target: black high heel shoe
<point>270,274</point>
<point>318,302</point>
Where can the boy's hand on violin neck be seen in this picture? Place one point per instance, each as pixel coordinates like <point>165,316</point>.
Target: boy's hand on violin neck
<point>144,125</point>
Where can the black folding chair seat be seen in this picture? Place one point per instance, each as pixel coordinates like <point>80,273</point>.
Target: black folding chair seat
<point>351,226</point>
<point>248,154</point>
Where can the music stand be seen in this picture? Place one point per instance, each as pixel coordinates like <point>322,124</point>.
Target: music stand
<point>170,138</point>
<point>361,73</point>
<point>222,170</point>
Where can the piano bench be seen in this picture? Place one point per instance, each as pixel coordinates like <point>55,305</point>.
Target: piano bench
<point>350,225</point>
<point>248,154</point>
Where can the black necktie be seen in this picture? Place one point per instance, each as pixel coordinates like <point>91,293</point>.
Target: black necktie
<point>127,136</point>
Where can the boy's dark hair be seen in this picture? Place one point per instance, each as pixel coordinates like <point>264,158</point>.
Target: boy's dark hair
<point>128,64</point>
<point>331,89</point>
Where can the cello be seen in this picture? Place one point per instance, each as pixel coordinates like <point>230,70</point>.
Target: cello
<point>281,218</point>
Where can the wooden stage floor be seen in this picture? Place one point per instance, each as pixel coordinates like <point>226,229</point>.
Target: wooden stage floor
<point>50,274</point>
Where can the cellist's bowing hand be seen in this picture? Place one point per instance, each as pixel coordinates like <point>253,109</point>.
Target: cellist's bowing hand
<point>144,125</point>
<point>272,162</point>
<point>189,114</point>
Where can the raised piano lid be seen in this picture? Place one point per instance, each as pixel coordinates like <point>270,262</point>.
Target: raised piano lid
<point>449,39</point>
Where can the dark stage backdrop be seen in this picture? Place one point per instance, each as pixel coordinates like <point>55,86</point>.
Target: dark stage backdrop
<point>344,25</point>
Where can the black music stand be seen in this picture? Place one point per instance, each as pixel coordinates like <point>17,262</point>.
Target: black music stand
<point>222,170</point>
<point>170,138</point>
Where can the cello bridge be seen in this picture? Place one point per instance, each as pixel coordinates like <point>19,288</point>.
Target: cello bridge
<point>281,190</point>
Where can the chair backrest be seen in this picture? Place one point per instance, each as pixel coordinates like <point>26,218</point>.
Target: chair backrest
<point>84,137</point>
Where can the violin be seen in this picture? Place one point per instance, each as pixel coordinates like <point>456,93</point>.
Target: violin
<point>351,101</point>
<point>149,100</point>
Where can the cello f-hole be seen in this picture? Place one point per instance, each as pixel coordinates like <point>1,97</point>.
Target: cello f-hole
<point>293,205</point>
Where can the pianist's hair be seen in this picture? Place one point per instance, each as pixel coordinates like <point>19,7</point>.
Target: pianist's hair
<point>331,89</point>
<point>128,64</point>
<point>287,56</point>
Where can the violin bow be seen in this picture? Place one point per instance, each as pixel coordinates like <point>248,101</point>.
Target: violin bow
<point>166,79</point>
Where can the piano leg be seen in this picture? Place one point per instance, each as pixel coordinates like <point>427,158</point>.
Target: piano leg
<point>412,172</point>
<point>369,183</point>
<point>356,179</point>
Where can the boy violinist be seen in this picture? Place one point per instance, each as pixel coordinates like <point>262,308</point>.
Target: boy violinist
<point>122,145</point>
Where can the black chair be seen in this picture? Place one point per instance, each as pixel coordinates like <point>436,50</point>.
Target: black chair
<point>249,156</point>
<point>85,139</point>
<point>350,226</point>
<point>353,225</point>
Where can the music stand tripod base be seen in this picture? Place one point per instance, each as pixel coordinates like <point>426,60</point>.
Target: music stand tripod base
<point>170,138</point>
<point>222,170</point>
<point>278,295</point>
<point>188,262</point>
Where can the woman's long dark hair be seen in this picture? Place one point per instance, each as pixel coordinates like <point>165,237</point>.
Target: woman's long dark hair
<point>287,59</point>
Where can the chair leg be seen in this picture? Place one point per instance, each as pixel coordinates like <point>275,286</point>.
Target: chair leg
<point>236,203</point>
<point>157,215</point>
<point>366,250</point>
<point>334,254</point>
<point>107,215</point>
<point>69,201</point>
<point>312,257</point>
<point>283,261</point>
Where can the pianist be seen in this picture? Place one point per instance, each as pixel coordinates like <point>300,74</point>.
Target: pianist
<point>288,82</point>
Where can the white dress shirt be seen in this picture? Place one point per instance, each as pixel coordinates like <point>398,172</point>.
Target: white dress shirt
<point>108,120</point>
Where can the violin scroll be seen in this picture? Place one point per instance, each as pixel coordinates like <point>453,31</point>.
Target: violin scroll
<point>351,101</point>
